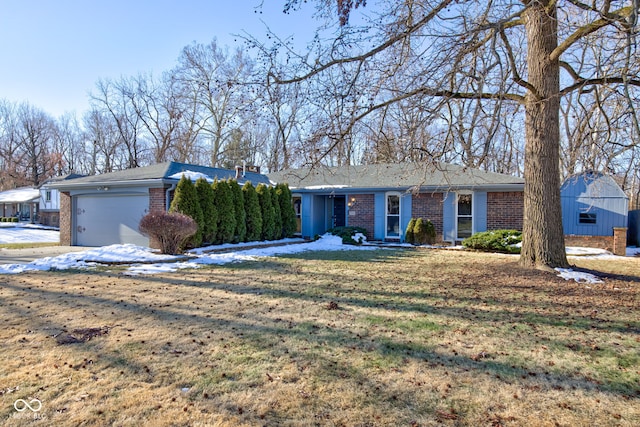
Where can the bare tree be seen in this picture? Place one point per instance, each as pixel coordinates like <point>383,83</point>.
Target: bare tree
<point>525,46</point>
<point>218,81</point>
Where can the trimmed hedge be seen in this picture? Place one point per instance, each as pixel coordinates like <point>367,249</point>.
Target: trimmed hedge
<point>252,212</point>
<point>495,241</point>
<point>185,201</point>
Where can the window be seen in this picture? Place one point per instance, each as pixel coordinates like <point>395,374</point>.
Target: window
<point>393,216</point>
<point>47,195</point>
<point>465,216</point>
<point>587,218</point>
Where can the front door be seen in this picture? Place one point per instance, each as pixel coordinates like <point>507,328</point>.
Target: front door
<point>339,209</point>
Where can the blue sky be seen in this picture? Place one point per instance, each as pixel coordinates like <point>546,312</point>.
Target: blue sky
<point>54,51</point>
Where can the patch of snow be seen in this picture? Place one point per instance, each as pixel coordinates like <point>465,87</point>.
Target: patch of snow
<point>27,234</point>
<point>133,254</point>
<point>193,176</point>
<point>323,187</point>
<point>359,237</point>
<point>578,276</point>
<point>633,251</point>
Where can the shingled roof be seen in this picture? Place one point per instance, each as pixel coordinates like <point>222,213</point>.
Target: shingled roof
<point>401,176</point>
<point>158,172</point>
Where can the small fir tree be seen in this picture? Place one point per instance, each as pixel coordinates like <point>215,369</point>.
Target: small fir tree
<point>209,212</point>
<point>268,213</point>
<point>240,233</point>
<point>252,212</point>
<point>185,201</point>
<point>226,212</point>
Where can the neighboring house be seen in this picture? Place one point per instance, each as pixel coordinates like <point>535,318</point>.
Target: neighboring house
<point>382,198</point>
<point>49,202</point>
<point>594,212</point>
<point>106,209</point>
<point>20,202</point>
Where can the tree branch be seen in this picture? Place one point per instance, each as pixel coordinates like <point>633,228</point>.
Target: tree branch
<point>410,30</point>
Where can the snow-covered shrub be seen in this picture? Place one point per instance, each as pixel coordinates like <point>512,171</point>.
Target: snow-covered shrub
<point>170,230</point>
<point>347,234</point>
<point>495,241</point>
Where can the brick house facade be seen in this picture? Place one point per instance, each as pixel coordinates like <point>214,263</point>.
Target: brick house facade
<point>505,210</point>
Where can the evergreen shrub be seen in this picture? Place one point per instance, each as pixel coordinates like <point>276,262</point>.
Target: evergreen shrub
<point>226,212</point>
<point>289,224</point>
<point>252,212</point>
<point>409,237</point>
<point>204,190</point>
<point>240,232</point>
<point>268,212</point>
<point>424,233</point>
<point>185,201</point>
<point>277,214</point>
<point>504,241</point>
<point>347,233</point>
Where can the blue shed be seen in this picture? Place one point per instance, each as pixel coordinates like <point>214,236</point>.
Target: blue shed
<point>593,204</point>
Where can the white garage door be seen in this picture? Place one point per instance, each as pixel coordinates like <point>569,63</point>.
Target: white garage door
<point>107,220</point>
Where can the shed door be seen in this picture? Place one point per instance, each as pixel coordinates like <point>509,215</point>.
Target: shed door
<point>107,220</point>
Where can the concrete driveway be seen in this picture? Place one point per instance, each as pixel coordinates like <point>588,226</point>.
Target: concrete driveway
<point>25,256</point>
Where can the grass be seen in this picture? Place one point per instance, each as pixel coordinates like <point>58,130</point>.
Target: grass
<point>28,245</point>
<point>389,337</point>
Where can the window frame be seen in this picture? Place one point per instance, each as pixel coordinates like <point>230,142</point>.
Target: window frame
<point>587,218</point>
<point>458,215</point>
<point>387,215</point>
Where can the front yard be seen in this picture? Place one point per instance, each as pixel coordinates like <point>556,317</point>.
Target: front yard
<point>324,338</point>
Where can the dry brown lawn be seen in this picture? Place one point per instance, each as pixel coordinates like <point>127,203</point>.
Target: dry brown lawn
<point>381,338</point>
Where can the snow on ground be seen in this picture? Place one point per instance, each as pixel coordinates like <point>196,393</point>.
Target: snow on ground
<point>157,263</point>
<point>27,233</point>
<point>132,254</point>
<point>578,276</point>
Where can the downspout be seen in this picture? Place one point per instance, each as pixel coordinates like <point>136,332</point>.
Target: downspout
<point>167,196</point>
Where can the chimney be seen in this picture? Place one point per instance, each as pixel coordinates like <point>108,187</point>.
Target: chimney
<point>239,173</point>
<point>253,168</point>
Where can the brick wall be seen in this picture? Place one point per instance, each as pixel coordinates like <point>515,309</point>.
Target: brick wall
<point>429,206</point>
<point>157,199</point>
<point>51,219</point>
<point>65,218</point>
<point>505,210</point>
<point>362,212</point>
<point>602,242</point>
<point>620,241</point>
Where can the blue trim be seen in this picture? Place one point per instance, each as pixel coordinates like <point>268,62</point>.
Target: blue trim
<point>479,211</point>
<point>449,217</point>
<point>406,201</point>
<point>379,213</point>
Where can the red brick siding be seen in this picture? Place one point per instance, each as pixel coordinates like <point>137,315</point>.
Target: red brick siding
<point>505,210</point>
<point>362,212</point>
<point>65,219</point>
<point>157,199</point>
<point>429,206</point>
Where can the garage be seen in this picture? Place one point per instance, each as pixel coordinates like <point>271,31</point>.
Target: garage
<point>110,219</point>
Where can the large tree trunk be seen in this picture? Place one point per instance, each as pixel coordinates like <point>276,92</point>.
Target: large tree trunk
<point>543,238</point>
